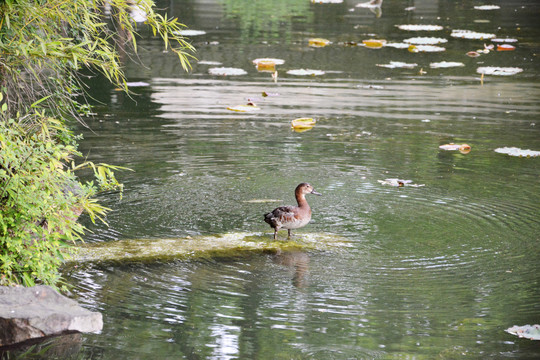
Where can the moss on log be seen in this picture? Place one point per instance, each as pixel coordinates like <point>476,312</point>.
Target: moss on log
<point>209,246</point>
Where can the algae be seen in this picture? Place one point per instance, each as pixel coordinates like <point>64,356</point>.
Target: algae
<point>203,246</point>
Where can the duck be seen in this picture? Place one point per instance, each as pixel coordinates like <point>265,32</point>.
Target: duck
<point>292,217</point>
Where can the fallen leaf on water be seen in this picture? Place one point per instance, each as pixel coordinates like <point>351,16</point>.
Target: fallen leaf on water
<point>507,40</point>
<point>370,4</point>
<point>414,27</point>
<point>469,34</point>
<point>269,94</point>
<point>505,47</point>
<point>499,71</point>
<point>398,64</point>
<point>425,48</point>
<point>189,32</point>
<point>531,332</point>
<point>425,41</point>
<point>473,54</point>
<point>398,45</point>
<point>374,43</point>
<point>445,64</point>
<point>206,62</point>
<point>137,84</point>
<point>399,183</point>
<point>226,71</point>
<point>267,60</point>
<point>463,148</point>
<point>514,151</point>
<point>244,108</point>
<point>318,42</point>
<point>302,123</point>
<point>305,72</point>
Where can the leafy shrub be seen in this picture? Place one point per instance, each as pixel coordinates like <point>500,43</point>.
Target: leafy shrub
<point>40,201</point>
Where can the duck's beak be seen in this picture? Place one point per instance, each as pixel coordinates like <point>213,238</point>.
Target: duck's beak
<point>316,193</point>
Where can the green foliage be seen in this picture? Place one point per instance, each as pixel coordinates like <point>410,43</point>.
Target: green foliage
<point>44,46</point>
<point>40,201</point>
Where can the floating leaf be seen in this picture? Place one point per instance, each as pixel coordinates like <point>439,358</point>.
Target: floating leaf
<point>425,48</point>
<point>487,7</point>
<point>462,148</point>
<point>505,47</point>
<point>189,32</point>
<point>473,54</point>
<point>410,27</point>
<point>305,72</point>
<point>244,108</point>
<point>266,94</point>
<point>531,332</point>
<point>318,42</point>
<point>266,60</point>
<point>137,84</point>
<point>445,64</point>
<point>398,64</point>
<point>398,45</point>
<point>374,43</point>
<point>226,71</point>
<point>370,4</point>
<point>469,34</point>
<point>500,71</point>
<point>205,62</point>
<point>425,41</point>
<point>302,123</point>
<point>514,151</point>
<point>399,183</point>
<point>508,40</point>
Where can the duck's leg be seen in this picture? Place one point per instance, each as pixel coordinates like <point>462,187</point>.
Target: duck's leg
<point>289,233</point>
<point>275,233</point>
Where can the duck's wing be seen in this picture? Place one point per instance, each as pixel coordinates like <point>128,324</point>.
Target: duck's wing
<point>280,215</point>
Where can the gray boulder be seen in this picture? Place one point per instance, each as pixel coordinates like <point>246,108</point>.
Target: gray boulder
<point>39,311</point>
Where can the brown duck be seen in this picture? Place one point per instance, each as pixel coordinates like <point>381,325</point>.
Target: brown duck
<point>292,217</point>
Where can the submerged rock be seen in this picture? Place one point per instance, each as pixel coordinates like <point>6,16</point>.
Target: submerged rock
<point>39,311</point>
<point>230,244</point>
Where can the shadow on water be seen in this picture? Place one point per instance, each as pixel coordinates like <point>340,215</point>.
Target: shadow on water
<point>435,271</point>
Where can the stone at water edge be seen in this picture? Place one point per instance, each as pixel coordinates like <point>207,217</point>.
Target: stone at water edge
<point>39,311</point>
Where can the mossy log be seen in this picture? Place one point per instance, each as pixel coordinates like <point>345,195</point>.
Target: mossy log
<point>209,246</point>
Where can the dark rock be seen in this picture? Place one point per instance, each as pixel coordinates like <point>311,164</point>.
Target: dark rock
<point>39,311</point>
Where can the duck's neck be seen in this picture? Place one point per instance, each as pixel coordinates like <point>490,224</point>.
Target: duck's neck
<point>302,202</point>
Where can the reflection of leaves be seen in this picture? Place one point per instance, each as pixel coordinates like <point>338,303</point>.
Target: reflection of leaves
<point>531,332</point>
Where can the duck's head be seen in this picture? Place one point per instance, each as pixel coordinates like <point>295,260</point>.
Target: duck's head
<point>305,188</point>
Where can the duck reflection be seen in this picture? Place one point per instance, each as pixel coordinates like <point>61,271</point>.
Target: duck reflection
<point>297,261</point>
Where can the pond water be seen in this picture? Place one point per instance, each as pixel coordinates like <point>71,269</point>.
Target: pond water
<point>432,272</point>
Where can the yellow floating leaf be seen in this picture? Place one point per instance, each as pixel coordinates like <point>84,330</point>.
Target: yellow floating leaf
<point>318,42</point>
<point>244,108</point>
<point>374,43</point>
<point>302,123</point>
<point>463,148</point>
